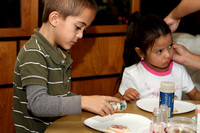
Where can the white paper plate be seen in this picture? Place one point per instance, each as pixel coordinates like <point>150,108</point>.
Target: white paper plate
<point>136,123</point>
<point>148,104</point>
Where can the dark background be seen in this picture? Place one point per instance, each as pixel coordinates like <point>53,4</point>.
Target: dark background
<point>110,12</point>
<point>189,23</point>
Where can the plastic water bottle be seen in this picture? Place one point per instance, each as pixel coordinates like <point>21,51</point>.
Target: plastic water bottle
<point>167,96</point>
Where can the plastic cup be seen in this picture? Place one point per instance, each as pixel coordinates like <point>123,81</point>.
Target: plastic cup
<point>181,125</point>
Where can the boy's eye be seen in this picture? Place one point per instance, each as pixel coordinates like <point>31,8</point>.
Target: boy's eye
<point>84,30</point>
<point>78,28</point>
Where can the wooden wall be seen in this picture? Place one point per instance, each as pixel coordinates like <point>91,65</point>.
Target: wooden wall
<point>97,64</point>
<point>9,46</point>
<point>8,52</point>
<point>6,102</point>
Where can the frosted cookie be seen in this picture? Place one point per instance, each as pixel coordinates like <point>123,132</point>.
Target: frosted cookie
<point>175,110</point>
<point>119,129</point>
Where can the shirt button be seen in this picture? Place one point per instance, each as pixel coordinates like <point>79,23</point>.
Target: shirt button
<point>63,61</point>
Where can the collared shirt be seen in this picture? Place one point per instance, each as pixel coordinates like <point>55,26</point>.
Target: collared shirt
<point>38,63</point>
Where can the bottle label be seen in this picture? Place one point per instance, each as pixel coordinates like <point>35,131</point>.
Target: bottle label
<point>167,99</point>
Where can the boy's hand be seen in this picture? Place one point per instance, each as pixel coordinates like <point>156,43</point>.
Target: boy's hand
<point>131,94</point>
<point>99,104</point>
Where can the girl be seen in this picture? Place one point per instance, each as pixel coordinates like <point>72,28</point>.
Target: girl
<point>148,61</point>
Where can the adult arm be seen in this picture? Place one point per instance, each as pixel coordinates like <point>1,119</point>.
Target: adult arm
<point>184,8</point>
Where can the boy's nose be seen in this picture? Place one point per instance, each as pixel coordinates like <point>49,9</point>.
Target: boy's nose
<point>79,35</point>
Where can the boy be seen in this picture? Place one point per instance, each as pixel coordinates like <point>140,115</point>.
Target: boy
<point>42,79</point>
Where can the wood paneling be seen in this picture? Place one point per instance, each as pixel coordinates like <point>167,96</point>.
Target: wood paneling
<point>8,52</point>
<point>34,14</point>
<point>97,56</point>
<point>29,20</point>
<point>21,43</point>
<point>104,86</point>
<point>135,6</point>
<point>103,29</point>
<point>6,102</point>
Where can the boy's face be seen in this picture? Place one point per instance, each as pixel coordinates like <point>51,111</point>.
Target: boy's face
<point>159,56</point>
<point>69,30</point>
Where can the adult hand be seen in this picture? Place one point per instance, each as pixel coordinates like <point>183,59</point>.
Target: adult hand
<point>180,54</point>
<point>173,23</point>
<point>99,104</point>
<point>131,94</point>
<point>185,57</point>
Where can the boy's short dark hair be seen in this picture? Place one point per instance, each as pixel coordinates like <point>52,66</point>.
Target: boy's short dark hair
<point>67,7</point>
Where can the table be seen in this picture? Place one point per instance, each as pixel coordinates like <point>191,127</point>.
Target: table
<point>75,123</point>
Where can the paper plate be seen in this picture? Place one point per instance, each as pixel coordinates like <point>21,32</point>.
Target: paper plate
<point>136,123</point>
<point>148,104</point>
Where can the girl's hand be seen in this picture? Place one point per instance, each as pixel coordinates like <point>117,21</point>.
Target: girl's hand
<point>99,104</point>
<point>131,94</point>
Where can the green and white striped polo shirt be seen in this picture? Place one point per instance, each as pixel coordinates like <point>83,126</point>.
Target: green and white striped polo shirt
<point>38,63</point>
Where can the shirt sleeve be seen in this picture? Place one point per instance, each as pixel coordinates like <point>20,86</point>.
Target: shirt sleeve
<point>128,81</point>
<point>188,84</point>
<point>33,69</point>
<point>43,105</point>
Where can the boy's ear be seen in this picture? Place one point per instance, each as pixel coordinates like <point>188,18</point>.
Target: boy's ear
<point>53,18</point>
<point>139,52</point>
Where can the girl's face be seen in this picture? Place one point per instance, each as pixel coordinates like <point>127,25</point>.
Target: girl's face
<point>68,31</point>
<point>159,56</point>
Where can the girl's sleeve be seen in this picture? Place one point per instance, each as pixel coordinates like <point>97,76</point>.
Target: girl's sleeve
<point>128,81</point>
<point>43,105</point>
<point>188,84</point>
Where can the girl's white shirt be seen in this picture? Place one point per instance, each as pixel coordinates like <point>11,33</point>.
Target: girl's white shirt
<point>147,81</point>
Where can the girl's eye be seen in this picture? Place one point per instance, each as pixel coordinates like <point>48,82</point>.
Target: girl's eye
<point>159,51</point>
<point>170,46</point>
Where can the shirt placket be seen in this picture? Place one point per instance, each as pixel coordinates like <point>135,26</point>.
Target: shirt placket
<point>67,77</point>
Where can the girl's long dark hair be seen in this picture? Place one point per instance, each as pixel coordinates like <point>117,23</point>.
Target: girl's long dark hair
<point>142,32</point>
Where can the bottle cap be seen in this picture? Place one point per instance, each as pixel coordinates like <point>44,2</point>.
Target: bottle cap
<point>167,85</point>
